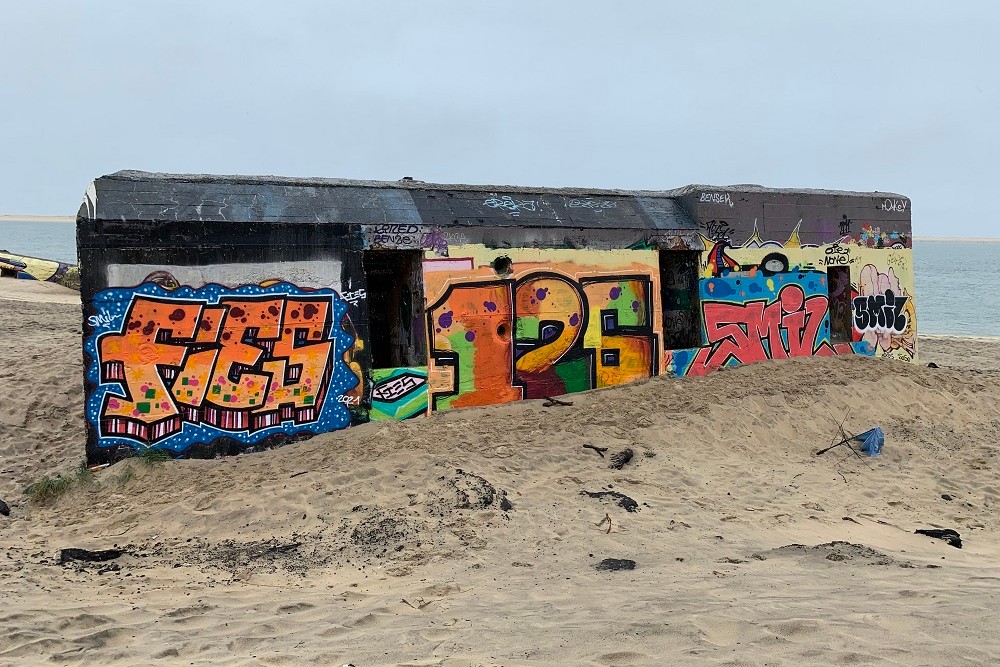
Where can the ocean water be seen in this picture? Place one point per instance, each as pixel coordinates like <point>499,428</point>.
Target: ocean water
<point>955,287</point>
<point>48,240</point>
<point>955,280</point>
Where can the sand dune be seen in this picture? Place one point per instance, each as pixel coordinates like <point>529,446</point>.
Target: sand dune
<point>469,538</point>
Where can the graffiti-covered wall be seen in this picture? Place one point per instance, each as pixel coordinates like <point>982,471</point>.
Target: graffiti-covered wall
<point>175,368</point>
<point>223,314</point>
<point>530,323</point>
<point>217,358</point>
<point>824,287</point>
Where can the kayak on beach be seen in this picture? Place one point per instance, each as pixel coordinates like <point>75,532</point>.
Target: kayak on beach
<point>36,268</point>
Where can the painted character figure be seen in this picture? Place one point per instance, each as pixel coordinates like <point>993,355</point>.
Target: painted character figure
<point>719,262</point>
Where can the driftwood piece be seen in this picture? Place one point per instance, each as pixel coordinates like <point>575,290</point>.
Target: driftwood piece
<point>846,441</point>
<point>549,402</point>
<point>420,603</point>
<point>281,548</point>
<point>599,450</point>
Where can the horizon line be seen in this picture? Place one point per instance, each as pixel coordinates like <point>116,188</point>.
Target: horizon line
<point>981,239</point>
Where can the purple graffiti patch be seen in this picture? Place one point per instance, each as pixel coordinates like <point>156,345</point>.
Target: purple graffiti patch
<point>446,319</point>
<point>470,336</point>
<point>574,320</point>
<point>615,292</point>
<point>635,306</point>
<point>541,293</point>
<point>490,306</point>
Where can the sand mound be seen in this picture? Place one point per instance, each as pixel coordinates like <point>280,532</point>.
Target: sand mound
<point>835,552</point>
<point>41,389</point>
<point>37,291</point>
<point>488,536</point>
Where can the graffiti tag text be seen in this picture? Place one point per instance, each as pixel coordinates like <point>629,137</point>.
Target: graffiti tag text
<point>881,312</point>
<point>716,198</point>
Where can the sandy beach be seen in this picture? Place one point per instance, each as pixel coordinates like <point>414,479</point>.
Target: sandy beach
<point>475,537</point>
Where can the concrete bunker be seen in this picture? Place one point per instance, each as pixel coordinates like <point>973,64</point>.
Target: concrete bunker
<point>226,314</point>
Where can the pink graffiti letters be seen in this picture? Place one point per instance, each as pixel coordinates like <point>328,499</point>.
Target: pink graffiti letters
<point>790,326</point>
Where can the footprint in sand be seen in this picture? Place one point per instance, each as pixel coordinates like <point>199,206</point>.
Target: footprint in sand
<point>622,658</point>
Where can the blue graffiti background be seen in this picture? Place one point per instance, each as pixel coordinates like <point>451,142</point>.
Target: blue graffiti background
<point>110,309</point>
<point>742,289</point>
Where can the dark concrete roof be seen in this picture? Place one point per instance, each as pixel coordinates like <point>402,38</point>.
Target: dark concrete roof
<point>752,188</point>
<point>136,195</point>
<point>235,179</point>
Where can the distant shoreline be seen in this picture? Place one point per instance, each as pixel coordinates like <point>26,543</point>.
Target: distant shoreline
<point>957,239</point>
<point>37,218</point>
<point>937,336</point>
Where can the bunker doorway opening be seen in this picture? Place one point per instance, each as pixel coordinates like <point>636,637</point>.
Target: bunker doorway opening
<point>838,284</point>
<point>395,298</point>
<point>679,296</point>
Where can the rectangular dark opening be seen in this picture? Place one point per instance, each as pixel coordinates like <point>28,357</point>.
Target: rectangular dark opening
<point>838,285</point>
<point>395,296</point>
<point>679,296</point>
<point>7,273</point>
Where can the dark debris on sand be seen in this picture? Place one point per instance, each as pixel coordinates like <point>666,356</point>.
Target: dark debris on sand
<point>623,501</point>
<point>615,564</point>
<point>620,459</point>
<point>947,534</point>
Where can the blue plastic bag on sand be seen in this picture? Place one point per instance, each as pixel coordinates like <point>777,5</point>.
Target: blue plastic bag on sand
<point>871,441</point>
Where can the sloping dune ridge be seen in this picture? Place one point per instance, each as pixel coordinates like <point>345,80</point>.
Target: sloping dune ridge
<point>476,537</point>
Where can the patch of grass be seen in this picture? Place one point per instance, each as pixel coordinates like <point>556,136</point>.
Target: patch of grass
<point>48,488</point>
<point>84,476</point>
<point>154,457</point>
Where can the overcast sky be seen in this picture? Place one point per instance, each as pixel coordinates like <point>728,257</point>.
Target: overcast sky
<point>890,95</point>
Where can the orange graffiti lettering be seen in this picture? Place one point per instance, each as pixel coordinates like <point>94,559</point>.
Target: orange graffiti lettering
<point>244,364</point>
